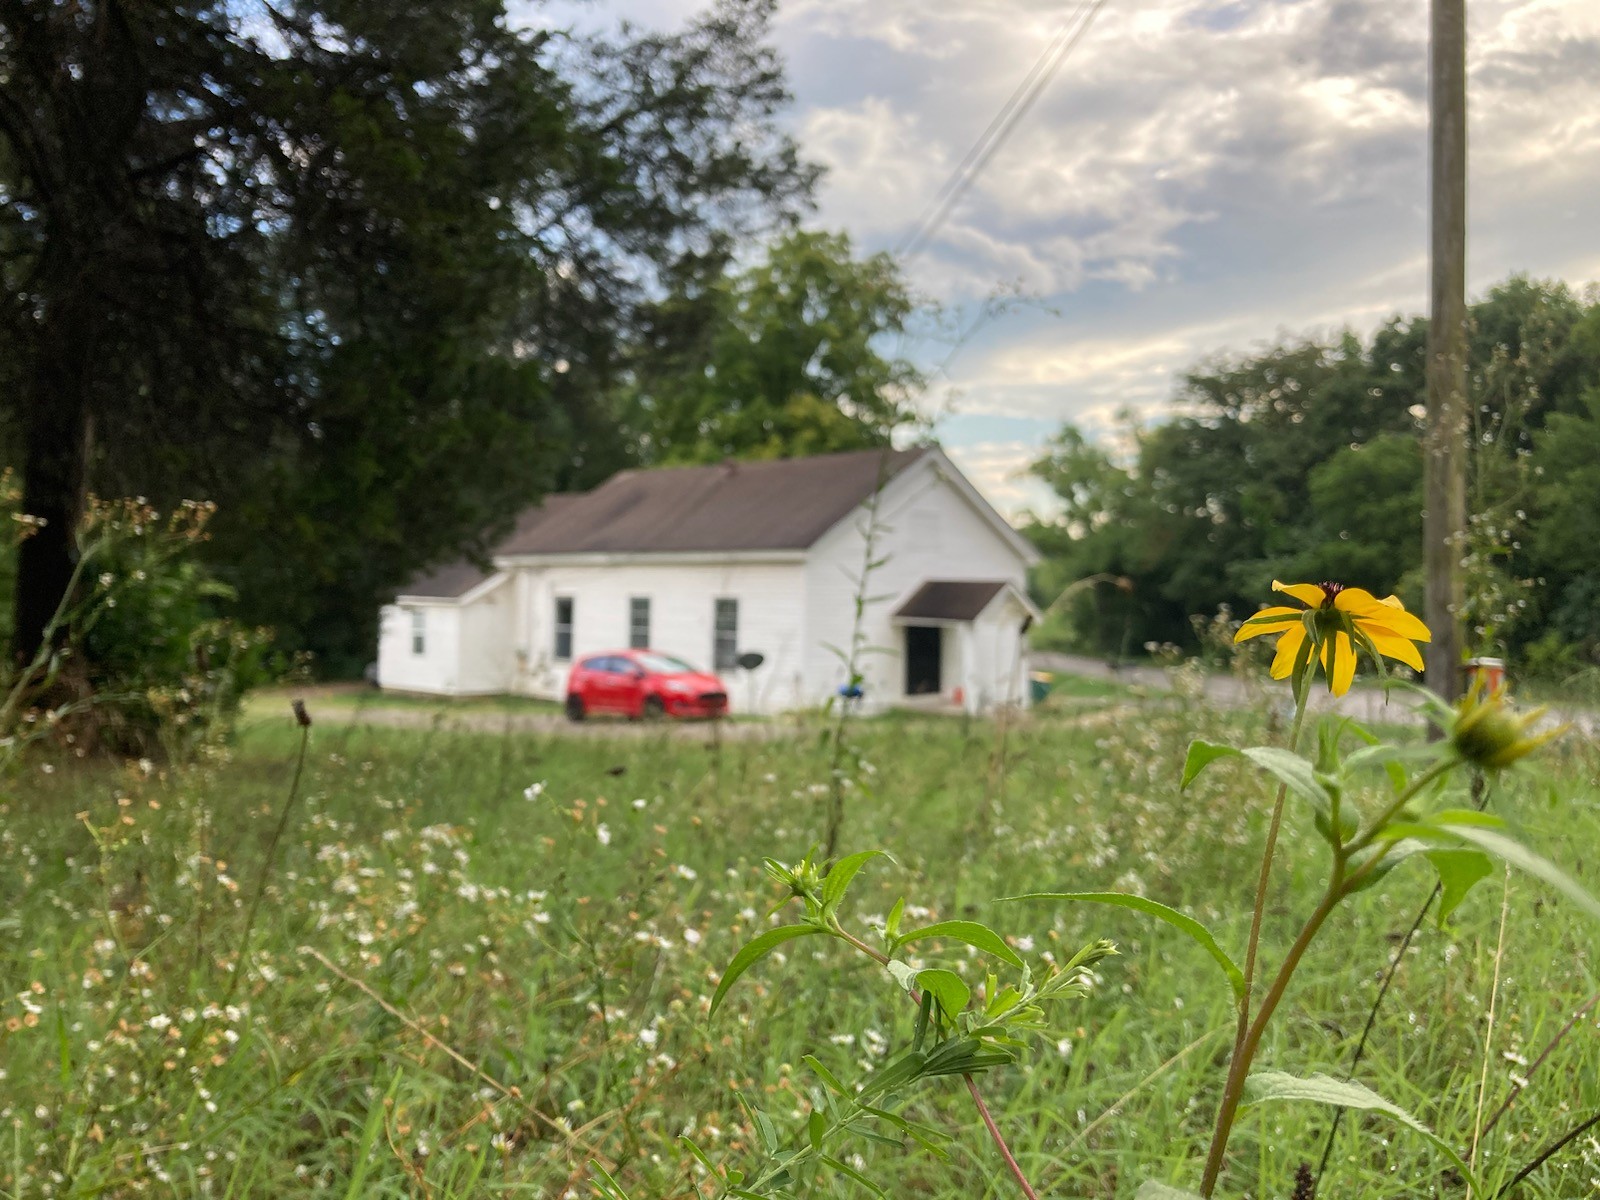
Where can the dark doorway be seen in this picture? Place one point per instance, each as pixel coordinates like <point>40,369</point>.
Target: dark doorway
<point>924,649</point>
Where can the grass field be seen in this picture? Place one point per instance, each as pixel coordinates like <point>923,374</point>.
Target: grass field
<point>483,961</point>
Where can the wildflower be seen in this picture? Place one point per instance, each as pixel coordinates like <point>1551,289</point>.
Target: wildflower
<point>602,834</point>
<point>1484,732</point>
<point>1338,620</point>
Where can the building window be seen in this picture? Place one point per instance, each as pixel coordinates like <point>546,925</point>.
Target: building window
<point>419,631</point>
<point>639,623</point>
<point>725,647</point>
<point>563,646</point>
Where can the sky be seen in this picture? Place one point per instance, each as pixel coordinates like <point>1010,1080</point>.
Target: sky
<point>1199,178</point>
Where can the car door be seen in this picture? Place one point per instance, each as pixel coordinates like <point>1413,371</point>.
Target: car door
<point>607,684</point>
<point>630,686</point>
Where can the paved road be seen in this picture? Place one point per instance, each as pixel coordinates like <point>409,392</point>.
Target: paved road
<point>1363,703</point>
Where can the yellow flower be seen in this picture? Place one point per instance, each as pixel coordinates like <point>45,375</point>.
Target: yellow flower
<point>1486,733</point>
<point>1338,620</point>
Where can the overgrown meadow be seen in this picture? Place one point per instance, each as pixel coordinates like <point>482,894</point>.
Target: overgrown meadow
<point>484,962</point>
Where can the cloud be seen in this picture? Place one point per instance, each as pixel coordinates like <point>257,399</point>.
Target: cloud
<point>998,470</point>
<point>1199,176</point>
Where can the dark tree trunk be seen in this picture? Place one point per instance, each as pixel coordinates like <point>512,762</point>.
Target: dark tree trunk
<point>54,462</point>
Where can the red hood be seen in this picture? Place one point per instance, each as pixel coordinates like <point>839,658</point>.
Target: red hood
<point>697,681</point>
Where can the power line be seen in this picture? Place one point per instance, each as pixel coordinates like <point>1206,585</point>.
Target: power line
<point>1000,128</point>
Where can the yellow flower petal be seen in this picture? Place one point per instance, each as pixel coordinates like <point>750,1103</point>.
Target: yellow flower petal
<point>1308,594</point>
<point>1358,602</point>
<point>1398,648</point>
<point>1396,622</point>
<point>1268,620</point>
<point>1339,663</point>
<point>1288,648</point>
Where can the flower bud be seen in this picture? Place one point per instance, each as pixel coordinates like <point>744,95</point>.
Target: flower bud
<point>1488,735</point>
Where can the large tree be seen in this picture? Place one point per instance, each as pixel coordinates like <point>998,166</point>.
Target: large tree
<point>351,268</point>
<point>796,354</point>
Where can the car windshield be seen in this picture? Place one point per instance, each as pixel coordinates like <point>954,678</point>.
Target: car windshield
<point>662,664</point>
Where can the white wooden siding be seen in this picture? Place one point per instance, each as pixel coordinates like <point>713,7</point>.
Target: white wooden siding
<point>682,602</point>
<point>434,670</point>
<point>792,608</point>
<point>928,530</point>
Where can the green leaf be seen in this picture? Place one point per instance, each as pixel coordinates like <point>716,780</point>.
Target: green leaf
<point>1466,816</point>
<point>827,1076</point>
<point>1201,755</point>
<point>891,926</point>
<point>1151,1190</point>
<point>1395,760</point>
<point>754,951</point>
<point>971,932</point>
<point>816,1128</point>
<point>1390,854</point>
<point>1179,921</point>
<point>1294,772</point>
<point>840,875</point>
<point>851,1172</point>
<point>947,988</point>
<point>1458,871</point>
<point>964,1056</point>
<point>1324,1089</point>
<point>1514,852</point>
<point>605,1184</point>
<point>897,1072</point>
<point>765,1129</point>
<point>699,1154</point>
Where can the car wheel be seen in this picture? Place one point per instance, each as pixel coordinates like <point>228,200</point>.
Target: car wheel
<point>653,709</point>
<point>575,709</point>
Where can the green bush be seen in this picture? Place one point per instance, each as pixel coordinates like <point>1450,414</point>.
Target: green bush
<point>142,659</point>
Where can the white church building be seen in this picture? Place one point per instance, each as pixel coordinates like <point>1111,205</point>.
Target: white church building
<point>710,563</point>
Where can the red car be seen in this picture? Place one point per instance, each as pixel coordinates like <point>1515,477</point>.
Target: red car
<point>641,684</point>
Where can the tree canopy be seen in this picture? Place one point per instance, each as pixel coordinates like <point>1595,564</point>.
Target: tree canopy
<point>1303,461</point>
<point>355,271</point>
<point>785,357</point>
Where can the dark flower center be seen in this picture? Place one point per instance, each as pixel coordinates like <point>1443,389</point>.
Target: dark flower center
<point>1329,591</point>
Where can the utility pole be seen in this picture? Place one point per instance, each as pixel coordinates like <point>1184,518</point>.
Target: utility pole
<point>1445,444</point>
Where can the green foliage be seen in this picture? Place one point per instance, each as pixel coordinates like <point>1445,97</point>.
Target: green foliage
<point>783,358</point>
<point>140,658</point>
<point>168,669</point>
<point>1303,462</point>
<point>1267,1086</point>
<point>356,272</point>
<point>950,1037</point>
<point>437,930</point>
<point>1151,908</point>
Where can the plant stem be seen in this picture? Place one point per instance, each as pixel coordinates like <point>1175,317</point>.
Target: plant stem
<point>1494,1000</point>
<point>1366,1032</point>
<point>999,1140</point>
<point>241,960</point>
<point>1517,1088</point>
<point>1239,1068</point>
<point>869,541</point>
<point>1252,947</point>
<point>1548,1153</point>
<point>972,1084</point>
<point>1339,886</point>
